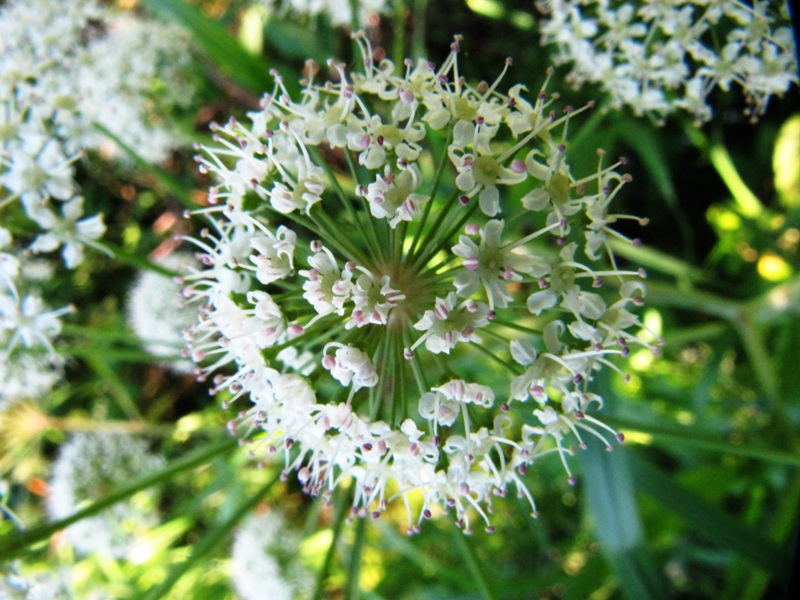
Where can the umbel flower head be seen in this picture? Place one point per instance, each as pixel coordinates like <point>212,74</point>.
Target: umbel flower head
<point>660,57</point>
<point>400,286</point>
<point>89,466</point>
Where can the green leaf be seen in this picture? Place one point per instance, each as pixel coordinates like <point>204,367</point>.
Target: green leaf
<point>610,499</point>
<point>209,542</point>
<point>17,543</point>
<point>710,521</point>
<point>705,440</point>
<point>224,51</point>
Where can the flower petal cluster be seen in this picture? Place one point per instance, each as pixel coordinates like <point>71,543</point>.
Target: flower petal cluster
<point>414,279</point>
<point>338,12</point>
<point>264,560</point>
<point>660,57</point>
<point>29,364</point>
<point>88,466</point>
<point>157,315</point>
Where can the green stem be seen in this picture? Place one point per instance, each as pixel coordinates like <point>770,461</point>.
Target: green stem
<point>210,542</point>
<point>353,589</point>
<point>745,199</point>
<point>398,39</point>
<point>340,512</point>
<point>474,568</point>
<point>443,160</point>
<point>165,179</point>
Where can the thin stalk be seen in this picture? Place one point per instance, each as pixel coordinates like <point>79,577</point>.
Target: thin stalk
<point>353,589</point>
<point>443,160</point>
<point>474,568</point>
<point>440,243</point>
<point>398,39</point>
<point>334,238</point>
<point>371,231</point>
<point>340,512</point>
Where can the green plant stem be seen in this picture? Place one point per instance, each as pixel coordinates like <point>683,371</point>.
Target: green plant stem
<point>209,542</point>
<point>17,543</point>
<point>172,185</point>
<point>353,588</point>
<point>471,562</point>
<point>398,39</point>
<point>340,512</point>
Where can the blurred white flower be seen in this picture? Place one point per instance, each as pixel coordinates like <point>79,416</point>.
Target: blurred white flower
<point>88,467</point>
<point>69,231</point>
<point>264,560</point>
<point>157,314</point>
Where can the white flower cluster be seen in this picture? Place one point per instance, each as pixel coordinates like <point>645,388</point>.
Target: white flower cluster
<point>42,586</point>
<point>659,57</point>
<point>65,67</point>
<point>29,364</point>
<point>264,560</point>
<point>338,12</point>
<point>156,315</point>
<point>89,466</point>
<point>409,233</point>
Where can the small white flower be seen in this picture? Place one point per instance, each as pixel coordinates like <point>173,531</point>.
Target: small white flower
<point>448,324</point>
<point>71,231</point>
<point>350,366</point>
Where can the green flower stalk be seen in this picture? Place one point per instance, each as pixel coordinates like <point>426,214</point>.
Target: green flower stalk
<point>397,286</point>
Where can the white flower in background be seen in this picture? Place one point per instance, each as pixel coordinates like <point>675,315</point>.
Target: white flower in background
<point>338,12</point>
<point>15,585</point>
<point>157,314</point>
<point>72,64</point>
<point>264,560</point>
<point>659,57</point>
<point>88,467</point>
<point>425,334</point>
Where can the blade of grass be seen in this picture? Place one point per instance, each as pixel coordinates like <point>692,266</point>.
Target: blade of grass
<point>209,542</point>
<point>17,543</point>
<point>610,499</point>
<point>222,49</point>
<point>160,175</point>
<point>671,436</point>
<point>473,566</point>
<point>709,521</point>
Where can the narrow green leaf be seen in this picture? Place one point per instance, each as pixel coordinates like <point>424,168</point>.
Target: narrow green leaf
<point>709,521</point>
<point>222,49</point>
<point>209,542</point>
<point>353,588</point>
<point>159,174</point>
<point>610,499</point>
<point>17,543</point>
<point>698,438</point>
